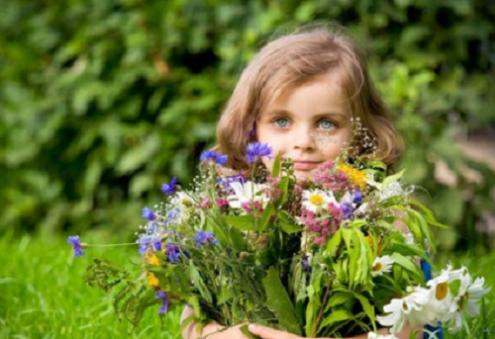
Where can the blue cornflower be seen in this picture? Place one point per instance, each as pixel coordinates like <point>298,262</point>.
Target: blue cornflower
<point>157,244</point>
<point>148,214</point>
<point>357,197</point>
<point>347,210</point>
<point>204,237</point>
<point>169,188</point>
<point>220,159</point>
<point>163,296</point>
<point>144,242</point>
<point>151,228</point>
<point>173,253</point>
<point>76,245</point>
<point>257,150</point>
<point>225,182</point>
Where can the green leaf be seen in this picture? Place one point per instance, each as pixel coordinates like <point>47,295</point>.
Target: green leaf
<point>406,263</point>
<point>266,217</point>
<point>276,166</point>
<point>337,299</point>
<point>407,250</point>
<point>245,331</point>
<point>198,282</point>
<point>287,223</point>
<point>333,243</point>
<point>278,301</point>
<point>336,316</point>
<point>242,222</point>
<point>284,187</point>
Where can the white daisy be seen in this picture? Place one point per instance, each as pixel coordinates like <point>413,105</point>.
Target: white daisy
<point>246,193</point>
<point>316,200</point>
<point>441,304</point>
<point>407,309</point>
<point>395,315</point>
<point>466,301</point>
<point>389,188</point>
<point>381,265</point>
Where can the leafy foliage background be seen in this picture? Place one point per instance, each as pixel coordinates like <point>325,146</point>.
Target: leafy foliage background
<point>101,101</point>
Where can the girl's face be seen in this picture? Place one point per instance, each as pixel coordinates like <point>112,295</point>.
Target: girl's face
<point>309,124</point>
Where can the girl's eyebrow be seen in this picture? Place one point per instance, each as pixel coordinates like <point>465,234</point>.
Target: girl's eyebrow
<point>318,115</point>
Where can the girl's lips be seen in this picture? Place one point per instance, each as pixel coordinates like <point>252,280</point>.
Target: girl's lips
<point>306,165</point>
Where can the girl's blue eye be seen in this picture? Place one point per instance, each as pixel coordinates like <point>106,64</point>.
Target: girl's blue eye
<point>326,124</point>
<point>281,122</point>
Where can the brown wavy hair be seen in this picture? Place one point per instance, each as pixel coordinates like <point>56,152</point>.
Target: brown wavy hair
<point>290,61</point>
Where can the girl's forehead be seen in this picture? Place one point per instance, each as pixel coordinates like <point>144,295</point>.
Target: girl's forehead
<point>320,94</point>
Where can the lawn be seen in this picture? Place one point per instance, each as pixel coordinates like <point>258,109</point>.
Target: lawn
<point>43,294</point>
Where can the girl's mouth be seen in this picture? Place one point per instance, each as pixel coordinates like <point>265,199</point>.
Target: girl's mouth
<point>301,165</point>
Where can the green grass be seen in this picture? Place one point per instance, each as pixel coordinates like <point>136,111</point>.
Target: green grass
<point>43,294</point>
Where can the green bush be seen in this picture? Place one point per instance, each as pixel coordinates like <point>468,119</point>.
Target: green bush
<point>101,101</point>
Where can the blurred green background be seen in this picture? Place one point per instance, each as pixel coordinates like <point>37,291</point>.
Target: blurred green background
<point>102,101</point>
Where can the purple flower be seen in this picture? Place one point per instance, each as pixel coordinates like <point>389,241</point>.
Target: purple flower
<point>76,245</point>
<point>347,210</point>
<point>163,296</point>
<point>357,197</point>
<point>148,214</point>
<point>305,263</point>
<point>257,150</point>
<point>144,242</point>
<point>173,253</point>
<point>157,244</point>
<point>225,182</point>
<point>220,159</point>
<point>204,237</point>
<point>169,188</point>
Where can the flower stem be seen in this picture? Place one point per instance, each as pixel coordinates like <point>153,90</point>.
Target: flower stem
<point>320,315</point>
<point>108,245</point>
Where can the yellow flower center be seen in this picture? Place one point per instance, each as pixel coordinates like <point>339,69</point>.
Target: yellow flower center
<point>462,301</point>
<point>377,267</point>
<point>316,199</point>
<point>151,259</point>
<point>152,280</point>
<point>441,291</point>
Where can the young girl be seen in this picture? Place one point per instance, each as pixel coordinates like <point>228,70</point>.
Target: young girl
<point>302,94</point>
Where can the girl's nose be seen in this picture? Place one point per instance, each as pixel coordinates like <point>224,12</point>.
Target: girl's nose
<point>303,138</point>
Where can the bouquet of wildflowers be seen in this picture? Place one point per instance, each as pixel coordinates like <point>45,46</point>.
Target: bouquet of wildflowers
<point>336,255</point>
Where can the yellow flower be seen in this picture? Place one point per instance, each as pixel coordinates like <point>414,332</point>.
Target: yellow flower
<point>356,176</point>
<point>152,280</point>
<point>316,199</point>
<point>151,258</point>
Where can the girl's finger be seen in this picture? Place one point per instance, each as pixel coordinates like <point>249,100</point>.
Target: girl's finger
<point>269,333</point>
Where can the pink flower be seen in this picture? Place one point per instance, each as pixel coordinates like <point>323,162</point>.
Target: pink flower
<point>222,202</point>
<point>205,203</point>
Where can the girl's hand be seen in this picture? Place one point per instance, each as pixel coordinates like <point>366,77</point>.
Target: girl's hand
<point>270,333</point>
<point>216,331</point>
<point>212,330</point>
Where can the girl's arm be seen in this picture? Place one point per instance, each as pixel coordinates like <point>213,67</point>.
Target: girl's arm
<point>271,333</point>
<point>210,331</point>
<point>216,331</point>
